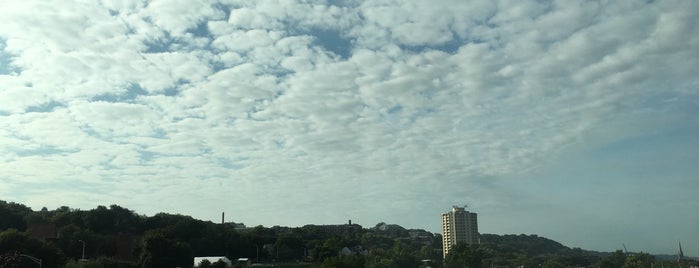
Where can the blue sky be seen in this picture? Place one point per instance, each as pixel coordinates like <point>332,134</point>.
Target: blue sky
<point>574,120</point>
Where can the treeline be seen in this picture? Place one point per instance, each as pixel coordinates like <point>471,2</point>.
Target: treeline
<point>117,237</point>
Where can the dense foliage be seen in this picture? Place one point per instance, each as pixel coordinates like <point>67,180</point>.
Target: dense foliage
<point>117,237</point>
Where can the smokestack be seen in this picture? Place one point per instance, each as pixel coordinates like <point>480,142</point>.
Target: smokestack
<point>223,217</point>
<point>350,222</point>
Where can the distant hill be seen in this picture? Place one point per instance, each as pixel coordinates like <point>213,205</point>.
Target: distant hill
<point>530,245</point>
<point>116,235</point>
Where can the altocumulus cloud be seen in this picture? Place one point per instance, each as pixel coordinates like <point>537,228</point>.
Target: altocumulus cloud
<point>319,111</point>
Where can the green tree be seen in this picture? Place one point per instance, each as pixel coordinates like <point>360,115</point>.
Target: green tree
<point>289,246</point>
<point>219,264</point>
<point>552,264</point>
<point>639,260</point>
<point>615,260</point>
<point>406,260</point>
<point>205,264</point>
<point>157,250</point>
<point>462,255</point>
<point>15,241</point>
<point>12,216</point>
<point>344,262</point>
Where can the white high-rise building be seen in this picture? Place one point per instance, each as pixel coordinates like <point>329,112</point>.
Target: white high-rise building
<point>459,227</point>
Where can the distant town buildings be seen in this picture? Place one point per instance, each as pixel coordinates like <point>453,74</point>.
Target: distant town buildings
<point>459,226</point>
<point>337,229</point>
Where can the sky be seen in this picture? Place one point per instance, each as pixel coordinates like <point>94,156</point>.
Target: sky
<point>573,120</point>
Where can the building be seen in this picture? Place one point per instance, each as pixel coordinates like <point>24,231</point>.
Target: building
<point>336,229</point>
<point>459,227</point>
<point>212,260</point>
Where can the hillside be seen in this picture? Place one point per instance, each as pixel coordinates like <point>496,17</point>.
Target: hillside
<point>118,237</point>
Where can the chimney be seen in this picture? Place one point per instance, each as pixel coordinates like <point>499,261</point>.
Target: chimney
<point>350,222</point>
<point>223,217</point>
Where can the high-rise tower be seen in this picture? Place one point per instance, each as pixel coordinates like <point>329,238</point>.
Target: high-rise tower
<point>459,227</point>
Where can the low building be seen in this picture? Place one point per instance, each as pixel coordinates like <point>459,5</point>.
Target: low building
<point>243,262</point>
<point>337,229</point>
<point>212,259</point>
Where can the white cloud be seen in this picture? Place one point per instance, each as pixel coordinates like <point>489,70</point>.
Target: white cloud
<point>370,103</point>
<point>177,17</point>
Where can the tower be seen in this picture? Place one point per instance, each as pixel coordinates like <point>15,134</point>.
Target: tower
<point>459,226</point>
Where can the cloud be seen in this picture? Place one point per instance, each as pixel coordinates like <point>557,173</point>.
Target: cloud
<point>296,108</point>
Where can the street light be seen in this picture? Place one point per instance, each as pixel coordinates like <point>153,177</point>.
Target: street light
<point>35,259</point>
<point>83,256</point>
<point>257,251</point>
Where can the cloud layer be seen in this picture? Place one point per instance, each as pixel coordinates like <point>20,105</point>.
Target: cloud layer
<point>317,111</point>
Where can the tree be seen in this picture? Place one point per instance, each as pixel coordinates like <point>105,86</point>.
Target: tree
<point>157,250</point>
<point>344,262</point>
<point>15,241</point>
<point>616,260</point>
<point>10,218</point>
<point>405,260</point>
<point>462,255</point>
<point>204,264</point>
<point>552,264</point>
<point>219,264</point>
<point>640,260</point>
<point>289,246</point>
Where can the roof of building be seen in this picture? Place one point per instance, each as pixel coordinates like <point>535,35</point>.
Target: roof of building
<point>211,259</point>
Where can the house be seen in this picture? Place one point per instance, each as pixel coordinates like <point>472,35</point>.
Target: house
<point>243,262</point>
<point>213,259</point>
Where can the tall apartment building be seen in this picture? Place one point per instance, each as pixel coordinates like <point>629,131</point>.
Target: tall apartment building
<point>459,227</point>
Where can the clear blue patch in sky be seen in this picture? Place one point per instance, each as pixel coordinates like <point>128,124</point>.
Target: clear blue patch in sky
<point>146,156</point>
<point>171,92</point>
<point>344,3</point>
<point>43,150</point>
<point>159,45</point>
<point>45,107</point>
<point>451,47</point>
<point>132,92</point>
<point>217,66</point>
<point>421,113</point>
<point>113,12</point>
<point>231,163</point>
<point>90,131</point>
<point>392,114</point>
<point>6,67</point>
<point>281,144</point>
<point>333,41</point>
<point>669,147</point>
<point>665,156</point>
<point>202,30</point>
<point>395,109</point>
<point>159,134</point>
<point>226,9</point>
